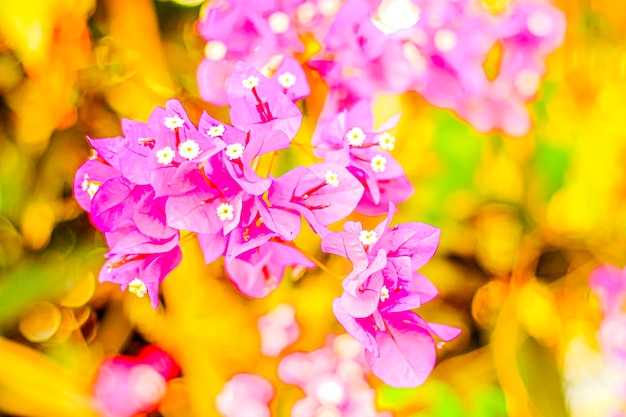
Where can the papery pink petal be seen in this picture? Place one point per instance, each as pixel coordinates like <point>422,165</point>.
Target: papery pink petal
<point>407,354</point>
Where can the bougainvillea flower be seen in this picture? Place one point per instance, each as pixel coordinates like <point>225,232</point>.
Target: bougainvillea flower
<point>127,386</point>
<point>88,179</point>
<point>243,31</point>
<point>245,395</point>
<point>291,79</point>
<point>278,329</point>
<point>259,105</point>
<point>259,271</point>
<point>140,264</point>
<point>323,193</point>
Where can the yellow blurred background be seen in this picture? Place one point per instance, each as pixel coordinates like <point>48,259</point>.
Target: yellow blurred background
<point>523,220</point>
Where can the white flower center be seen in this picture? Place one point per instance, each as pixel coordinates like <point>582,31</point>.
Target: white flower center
<point>445,40</point>
<point>331,178</point>
<point>85,183</point>
<point>355,136</point>
<point>92,189</point>
<point>286,79</point>
<point>165,156</point>
<point>137,287</point>
<point>368,237</point>
<point>279,22</point>
<point>395,15</point>
<point>234,151</point>
<point>173,122</point>
<point>189,149</point>
<point>215,50</point>
<point>384,294</point>
<point>379,163</point>
<point>306,12</point>
<point>527,82</point>
<point>539,23</point>
<point>225,212</point>
<point>330,393</point>
<point>250,82</point>
<point>387,142</point>
<point>216,131</point>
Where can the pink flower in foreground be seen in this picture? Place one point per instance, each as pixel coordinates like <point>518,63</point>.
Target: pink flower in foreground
<point>380,293</point>
<point>127,386</point>
<point>245,395</point>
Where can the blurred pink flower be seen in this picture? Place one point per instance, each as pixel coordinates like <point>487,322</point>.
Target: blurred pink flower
<point>278,329</point>
<point>245,395</point>
<point>127,386</point>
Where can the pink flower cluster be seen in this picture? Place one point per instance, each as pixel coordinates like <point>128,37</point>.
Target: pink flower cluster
<point>169,175</point>
<point>333,379</point>
<point>434,47</point>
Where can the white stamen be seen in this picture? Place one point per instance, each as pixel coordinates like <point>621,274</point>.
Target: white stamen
<point>384,294</point>
<point>173,122</point>
<point>306,12</point>
<point>287,80</point>
<point>527,82</point>
<point>189,149</point>
<point>225,212</point>
<point>215,50</point>
<point>355,136</point>
<point>216,131</point>
<point>145,141</point>
<point>279,22</point>
<point>234,151</point>
<point>165,156</point>
<point>539,23</point>
<point>137,287</point>
<point>92,189</point>
<point>331,178</point>
<point>368,237</point>
<point>379,163</point>
<point>250,82</point>
<point>387,142</point>
<point>445,40</point>
<point>394,15</point>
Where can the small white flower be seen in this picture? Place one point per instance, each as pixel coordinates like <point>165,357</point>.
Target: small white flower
<point>137,287</point>
<point>384,294</point>
<point>331,178</point>
<point>216,131</point>
<point>173,122</point>
<point>225,212</point>
<point>527,82</point>
<point>445,40</point>
<point>306,12</point>
<point>165,156</point>
<point>387,142</point>
<point>250,82</point>
<point>368,237</point>
<point>379,163</point>
<point>189,149</point>
<point>287,80</point>
<point>279,22</point>
<point>355,136</point>
<point>92,189</point>
<point>234,151</point>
